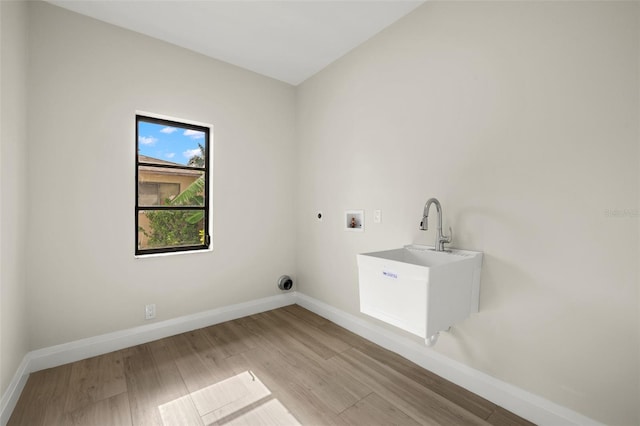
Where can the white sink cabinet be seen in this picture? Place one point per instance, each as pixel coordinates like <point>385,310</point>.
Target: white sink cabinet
<point>418,289</point>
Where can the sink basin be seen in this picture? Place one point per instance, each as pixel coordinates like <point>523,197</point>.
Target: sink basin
<point>422,255</point>
<point>418,289</point>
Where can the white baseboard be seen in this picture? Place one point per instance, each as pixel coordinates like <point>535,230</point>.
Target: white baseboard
<point>53,356</point>
<point>527,405</point>
<point>11,395</point>
<point>105,343</point>
<point>516,400</point>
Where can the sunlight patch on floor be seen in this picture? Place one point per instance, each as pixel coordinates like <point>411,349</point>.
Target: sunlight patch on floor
<point>239,400</point>
<point>271,412</point>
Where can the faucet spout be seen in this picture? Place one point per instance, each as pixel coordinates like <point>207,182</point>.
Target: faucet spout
<point>441,239</point>
<point>425,214</point>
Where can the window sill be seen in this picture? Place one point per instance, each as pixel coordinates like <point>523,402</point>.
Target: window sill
<point>172,253</point>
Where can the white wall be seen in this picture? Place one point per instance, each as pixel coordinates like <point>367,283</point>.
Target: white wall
<point>13,119</point>
<point>87,81</point>
<point>522,119</point>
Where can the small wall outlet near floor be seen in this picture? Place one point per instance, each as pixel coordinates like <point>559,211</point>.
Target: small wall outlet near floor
<point>150,311</point>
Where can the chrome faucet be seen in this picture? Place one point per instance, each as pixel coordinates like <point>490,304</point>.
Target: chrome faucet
<point>424,225</point>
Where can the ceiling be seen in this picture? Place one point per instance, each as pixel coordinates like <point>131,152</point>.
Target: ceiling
<point>287,40</point>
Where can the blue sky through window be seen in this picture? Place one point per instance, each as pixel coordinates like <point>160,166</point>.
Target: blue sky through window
<point>175,144</point>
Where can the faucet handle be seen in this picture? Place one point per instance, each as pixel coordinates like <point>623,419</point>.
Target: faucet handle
<point>444,239</point>
<point>447,238</point>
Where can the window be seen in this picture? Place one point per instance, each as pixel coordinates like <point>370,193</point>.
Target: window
<point>172,190</point>
<point>157,193</point>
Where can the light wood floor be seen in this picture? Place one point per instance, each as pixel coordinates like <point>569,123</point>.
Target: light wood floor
<point>286,366</point>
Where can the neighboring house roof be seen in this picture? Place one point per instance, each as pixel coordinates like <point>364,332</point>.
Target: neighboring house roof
<point>163,170</point>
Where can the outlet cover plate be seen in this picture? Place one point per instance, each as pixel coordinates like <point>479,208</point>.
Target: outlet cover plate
<point>150,311</point>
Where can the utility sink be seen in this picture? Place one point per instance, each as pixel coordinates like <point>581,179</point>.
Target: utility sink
<point>418,289</point>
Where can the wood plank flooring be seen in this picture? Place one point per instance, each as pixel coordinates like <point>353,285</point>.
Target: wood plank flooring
<point>283,367</point>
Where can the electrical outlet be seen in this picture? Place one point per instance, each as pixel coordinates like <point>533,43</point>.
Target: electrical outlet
<point>150,311</point>
<point>377,216</point>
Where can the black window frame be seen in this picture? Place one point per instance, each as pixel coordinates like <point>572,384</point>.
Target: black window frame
<point>206,205</point>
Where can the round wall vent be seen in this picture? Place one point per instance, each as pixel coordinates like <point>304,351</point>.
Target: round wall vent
<point>285,282</point>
